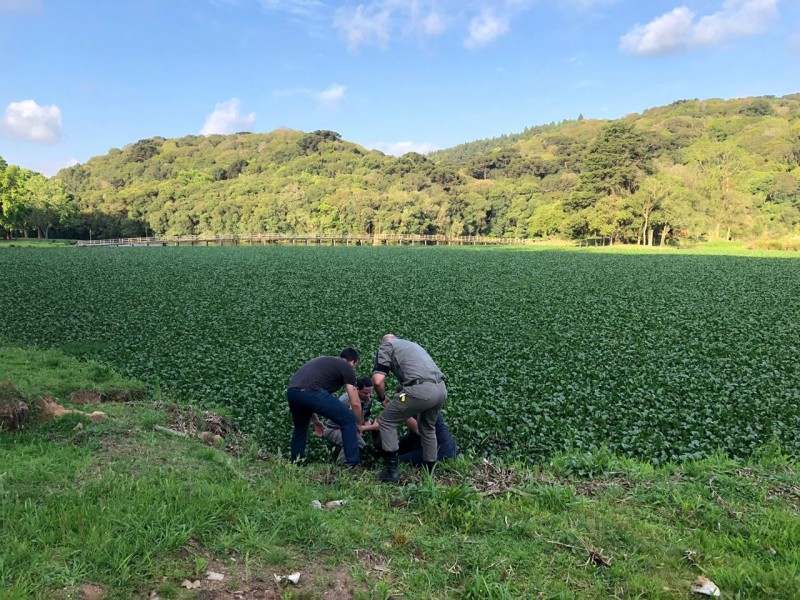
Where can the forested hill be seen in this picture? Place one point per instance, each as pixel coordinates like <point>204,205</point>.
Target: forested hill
<point>698,169</point>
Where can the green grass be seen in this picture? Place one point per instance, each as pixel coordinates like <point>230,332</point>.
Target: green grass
<point>35,243</point>
<point>37,372</point>
<point>119,505</point>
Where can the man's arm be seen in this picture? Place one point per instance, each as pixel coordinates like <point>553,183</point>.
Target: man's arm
<point>319,428</point>
<point>383,366</point>
<point>379,383</point>
<point>413,425</point>
<point>355,404</point>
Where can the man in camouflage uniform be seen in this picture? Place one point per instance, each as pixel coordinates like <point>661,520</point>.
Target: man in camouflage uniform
<point>422,393</point>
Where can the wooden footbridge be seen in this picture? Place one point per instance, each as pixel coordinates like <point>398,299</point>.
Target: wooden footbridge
<point>294,239</point>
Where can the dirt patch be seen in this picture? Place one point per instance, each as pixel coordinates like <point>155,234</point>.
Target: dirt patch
<point>238,583</point>
<point>126,395</point>
<point>209,427</point>
<point>591,488</point>
<point>789,493</point>
<point>48,408</point>
<point>87,397</point>
<point>89,591</point>
<point>217,424</point>
<point>372,562</point>
<point>487,478</point>
<point>13,407</point>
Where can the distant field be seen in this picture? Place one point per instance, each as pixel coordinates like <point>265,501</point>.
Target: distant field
<point>661,356</point>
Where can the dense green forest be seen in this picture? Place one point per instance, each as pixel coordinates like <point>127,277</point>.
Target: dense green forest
<point>697,169</point>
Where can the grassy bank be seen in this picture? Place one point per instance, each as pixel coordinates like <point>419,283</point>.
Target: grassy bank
<point>131,510</point>
<point>35,243</point>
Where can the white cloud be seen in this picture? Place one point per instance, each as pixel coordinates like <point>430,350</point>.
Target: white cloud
<point>330,96</point>
<point>736,19</point>
<point>376,22</point>
<point>400,148</point>
<point>428,17</point>
<point>485,28</point>
<point>334,94</point>
<point>306,9</point>
<point>680,31</point>
<point>20,6</point>
<point>227,118</point>
<point>433,24</point>
<point>364,25</point>
<point>28,121</point>
<point>665,34</point>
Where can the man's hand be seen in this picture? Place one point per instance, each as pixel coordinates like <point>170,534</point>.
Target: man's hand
<point>319,429</point>
<point>374,426</point>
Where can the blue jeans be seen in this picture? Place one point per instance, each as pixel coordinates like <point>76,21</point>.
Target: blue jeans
<point>304,402</point>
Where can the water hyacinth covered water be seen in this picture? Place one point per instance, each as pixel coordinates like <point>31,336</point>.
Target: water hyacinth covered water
<point>658,356</point>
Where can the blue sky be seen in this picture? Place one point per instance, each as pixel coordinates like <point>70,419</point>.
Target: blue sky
<point>81,77</point>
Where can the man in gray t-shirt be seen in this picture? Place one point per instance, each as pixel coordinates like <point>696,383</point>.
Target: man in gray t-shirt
<point>422,393</point>
<point>333,433</point>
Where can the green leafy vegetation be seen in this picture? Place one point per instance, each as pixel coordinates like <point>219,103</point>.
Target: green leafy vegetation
<point>663,356</point>
<point>569,350</point>
<point>694,170</point>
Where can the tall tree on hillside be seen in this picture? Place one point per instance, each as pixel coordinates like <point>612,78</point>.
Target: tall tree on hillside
<point>612,171</point>
<point>614,165</point>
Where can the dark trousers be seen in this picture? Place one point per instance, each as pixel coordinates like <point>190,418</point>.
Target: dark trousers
<point>304,402</point>
<point>410,450</point>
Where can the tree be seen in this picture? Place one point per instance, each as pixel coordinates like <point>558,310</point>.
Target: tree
<point>646,201</point>
<point>14,201</point>
<point>546,221</point>
<point>609,218</point>
<point>616,163</point>
<point>50,204</point>
<point>760,107</point>
<point>720,166</point>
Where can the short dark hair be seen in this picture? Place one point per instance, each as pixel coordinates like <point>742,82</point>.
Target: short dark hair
<point>350,354</point>
<point>363,382</point>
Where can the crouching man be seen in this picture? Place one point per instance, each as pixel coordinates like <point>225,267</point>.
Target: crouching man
<point>423,393</point>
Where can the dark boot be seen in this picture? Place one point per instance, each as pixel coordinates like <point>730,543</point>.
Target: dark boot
<point>428,467</point>
<point>390,473</point>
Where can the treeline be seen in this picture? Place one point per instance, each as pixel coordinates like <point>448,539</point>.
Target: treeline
<point>696,169</point>
<point>29,202</point>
